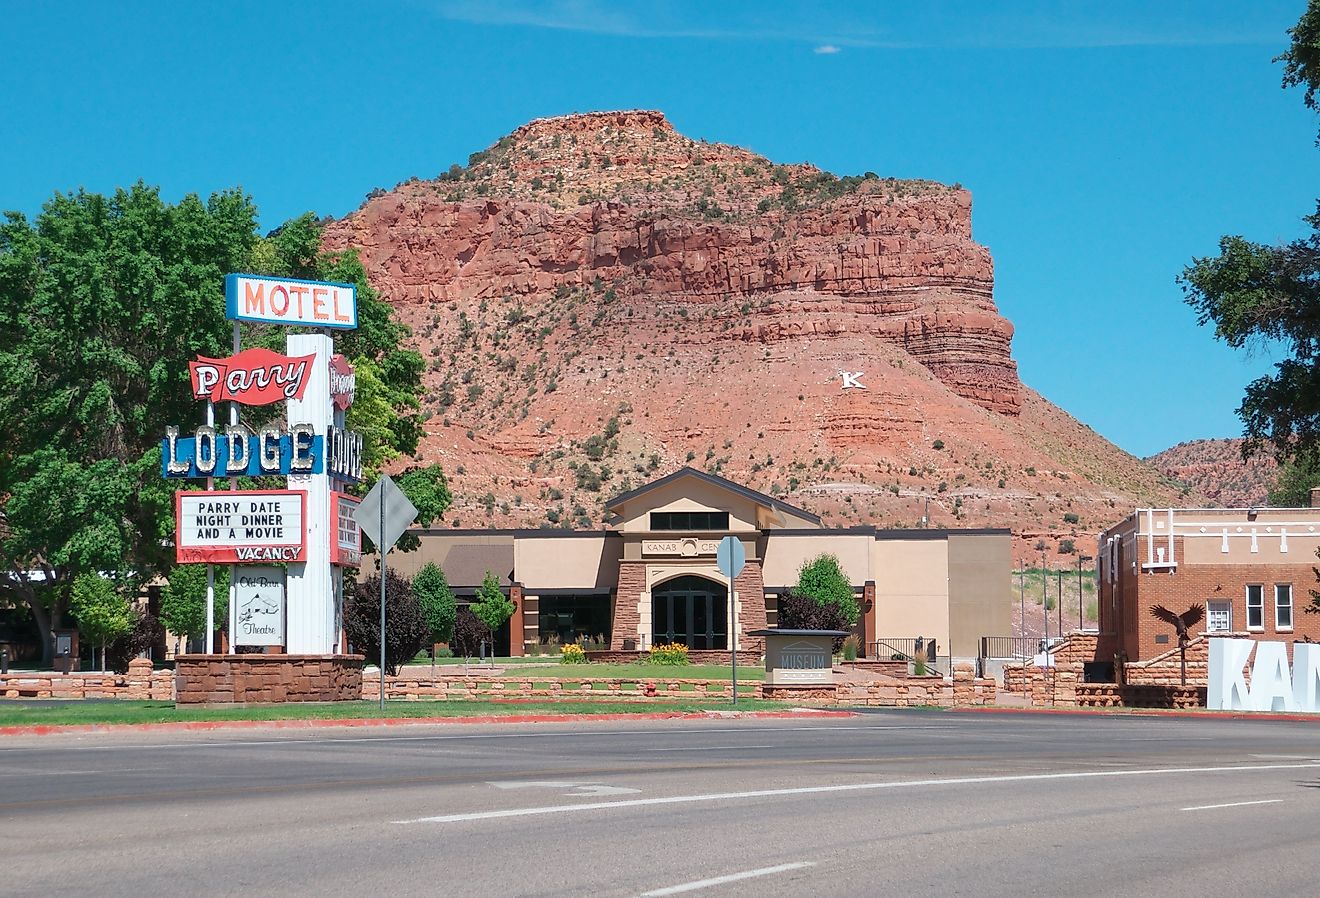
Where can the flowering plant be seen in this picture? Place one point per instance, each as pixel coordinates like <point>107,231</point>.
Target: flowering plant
<point>675,654</point>
<point>572,654</point>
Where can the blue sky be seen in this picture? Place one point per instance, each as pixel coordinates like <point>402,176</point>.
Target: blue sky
<point>1105,145</point>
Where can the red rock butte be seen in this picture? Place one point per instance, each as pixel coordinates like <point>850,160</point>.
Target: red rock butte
<point>622,197</point>
<point>602,300</point>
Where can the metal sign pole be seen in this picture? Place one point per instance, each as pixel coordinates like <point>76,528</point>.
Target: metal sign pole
<point>733,608</point>
<point>210,568</point>
<point>384,550</point>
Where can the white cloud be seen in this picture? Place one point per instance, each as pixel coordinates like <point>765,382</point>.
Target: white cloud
<point>826,49</point>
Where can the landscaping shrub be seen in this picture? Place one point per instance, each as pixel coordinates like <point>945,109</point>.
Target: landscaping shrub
<point>798,611</point>
<point>850,648</point>
<point>823,579</point>
<point>469,631</point>
<point>145,632</point>
<point>406,630</point>
<point>673,655</point>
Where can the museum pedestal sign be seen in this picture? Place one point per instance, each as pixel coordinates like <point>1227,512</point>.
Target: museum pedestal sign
<point>799,657</point>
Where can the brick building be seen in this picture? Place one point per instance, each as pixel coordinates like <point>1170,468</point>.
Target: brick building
<point>650,575</point>
<point>1252,568</point>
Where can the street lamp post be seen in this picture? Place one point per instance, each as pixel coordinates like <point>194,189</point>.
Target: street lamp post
<point>1081,559</point>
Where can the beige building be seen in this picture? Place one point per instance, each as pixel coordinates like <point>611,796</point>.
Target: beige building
<point>651,577</point>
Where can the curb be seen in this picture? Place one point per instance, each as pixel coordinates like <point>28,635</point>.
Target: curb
<point>342,722</point>
<point>1148,712</point>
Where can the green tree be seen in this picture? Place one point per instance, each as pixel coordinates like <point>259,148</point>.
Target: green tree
<point>492,607</point>
<point>102,612</point>
<point>823,579</point>
<point>1255,293</point>
<point>103,302</point>
<point>438,605</point>
<point>183,600</point>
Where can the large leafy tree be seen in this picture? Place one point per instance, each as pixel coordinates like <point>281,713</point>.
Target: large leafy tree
<point>103,302</point>
<point>1253,292</point>
<point>406,629</point>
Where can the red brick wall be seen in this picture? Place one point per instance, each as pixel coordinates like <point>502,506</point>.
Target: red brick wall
<point>256,679</point>
<point>1219,582</point>
<point>632,583</point>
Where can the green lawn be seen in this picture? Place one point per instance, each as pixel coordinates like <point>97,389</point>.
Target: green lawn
<point>123,712</point>
<point>635,671</point>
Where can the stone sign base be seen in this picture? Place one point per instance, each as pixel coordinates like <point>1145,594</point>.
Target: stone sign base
<point>262,679</point>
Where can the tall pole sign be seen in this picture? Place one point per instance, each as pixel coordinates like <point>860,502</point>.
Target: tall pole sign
<point>299,526</point>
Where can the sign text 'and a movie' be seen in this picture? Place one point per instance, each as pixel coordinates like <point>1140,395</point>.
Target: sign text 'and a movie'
<point>240,526</point>
<point>235,451</point>
<point>259,605</point>
<point>251,377</point>
<point>287,301</point>
<point>1274,687</point>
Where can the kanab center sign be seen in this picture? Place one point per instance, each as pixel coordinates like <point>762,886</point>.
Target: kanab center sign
<point>1274,686</point>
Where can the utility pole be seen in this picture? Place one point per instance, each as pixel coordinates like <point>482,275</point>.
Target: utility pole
<point>1045,596</point>
<point>1060,608</point>
<point>1081,559</point>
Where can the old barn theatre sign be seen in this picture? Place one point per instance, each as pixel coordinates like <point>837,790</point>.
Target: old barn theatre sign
<point>240,526</point>
<point>235,451</point>
<point>288,301</point>
<point>1274,686</point>
<point>259,605</point>
<point>252,377</point>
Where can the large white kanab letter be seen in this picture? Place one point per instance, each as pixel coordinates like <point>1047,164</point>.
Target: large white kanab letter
<point>1228,684</point>
<point>1271,681</point>
<point>1306,675</point>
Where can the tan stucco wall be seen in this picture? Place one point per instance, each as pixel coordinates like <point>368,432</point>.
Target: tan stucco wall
<point>579,562</point>
<point>912,588</point>
<point>980,591</point>
<point>434,548</point>
<point>689,494</point>
<point>785,553</point>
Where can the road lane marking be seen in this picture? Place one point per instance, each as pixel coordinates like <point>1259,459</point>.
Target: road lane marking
<point>845,787</point>
<point>721,880</point>
<point>711,747</point>
<point>580,789</point>
<point>1233,804</point>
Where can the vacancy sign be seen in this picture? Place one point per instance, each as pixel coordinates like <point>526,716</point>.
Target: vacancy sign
<point>287,301</point>
<point>241,526</point>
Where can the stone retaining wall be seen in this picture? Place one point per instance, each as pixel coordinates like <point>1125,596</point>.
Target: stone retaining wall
<point>1111,695</point>
<point>141,682</point>
<point>465,687</point>
<point>260,679</point>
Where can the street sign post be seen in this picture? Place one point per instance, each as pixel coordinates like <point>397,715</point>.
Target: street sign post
<point>730,558</point>
<point>383,515</point>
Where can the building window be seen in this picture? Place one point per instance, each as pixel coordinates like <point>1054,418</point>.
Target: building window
<point>565,619</point>
<point>1218,616</point>
<point>689,520</point>
<point>1255,607</point>
<point>1283,606</point>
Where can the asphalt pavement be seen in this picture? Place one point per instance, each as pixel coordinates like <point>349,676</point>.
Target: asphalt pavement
<point>888,803</point>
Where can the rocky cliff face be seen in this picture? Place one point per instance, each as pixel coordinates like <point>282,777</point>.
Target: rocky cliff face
<point>1216,469</point>
<point>622,198</point>
<point>602,300</point>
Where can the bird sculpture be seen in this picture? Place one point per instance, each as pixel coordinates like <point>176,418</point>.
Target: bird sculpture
<point>1183,624</point>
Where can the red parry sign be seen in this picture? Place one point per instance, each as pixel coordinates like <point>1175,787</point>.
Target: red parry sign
<point>252,377</point>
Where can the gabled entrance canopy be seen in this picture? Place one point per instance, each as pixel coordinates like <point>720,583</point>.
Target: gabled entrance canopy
<point>690,490</point>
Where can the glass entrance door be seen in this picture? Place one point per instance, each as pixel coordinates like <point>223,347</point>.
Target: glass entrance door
<point>692,611</point>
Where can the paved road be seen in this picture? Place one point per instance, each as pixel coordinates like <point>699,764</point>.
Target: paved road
<point>889,803</point>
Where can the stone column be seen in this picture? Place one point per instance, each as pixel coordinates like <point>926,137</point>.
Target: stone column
<point>516,636</point>
<point>626,622</point>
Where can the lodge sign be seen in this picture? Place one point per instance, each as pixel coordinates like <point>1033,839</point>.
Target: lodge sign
<point>235,451</point>
<point>240,526</point>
